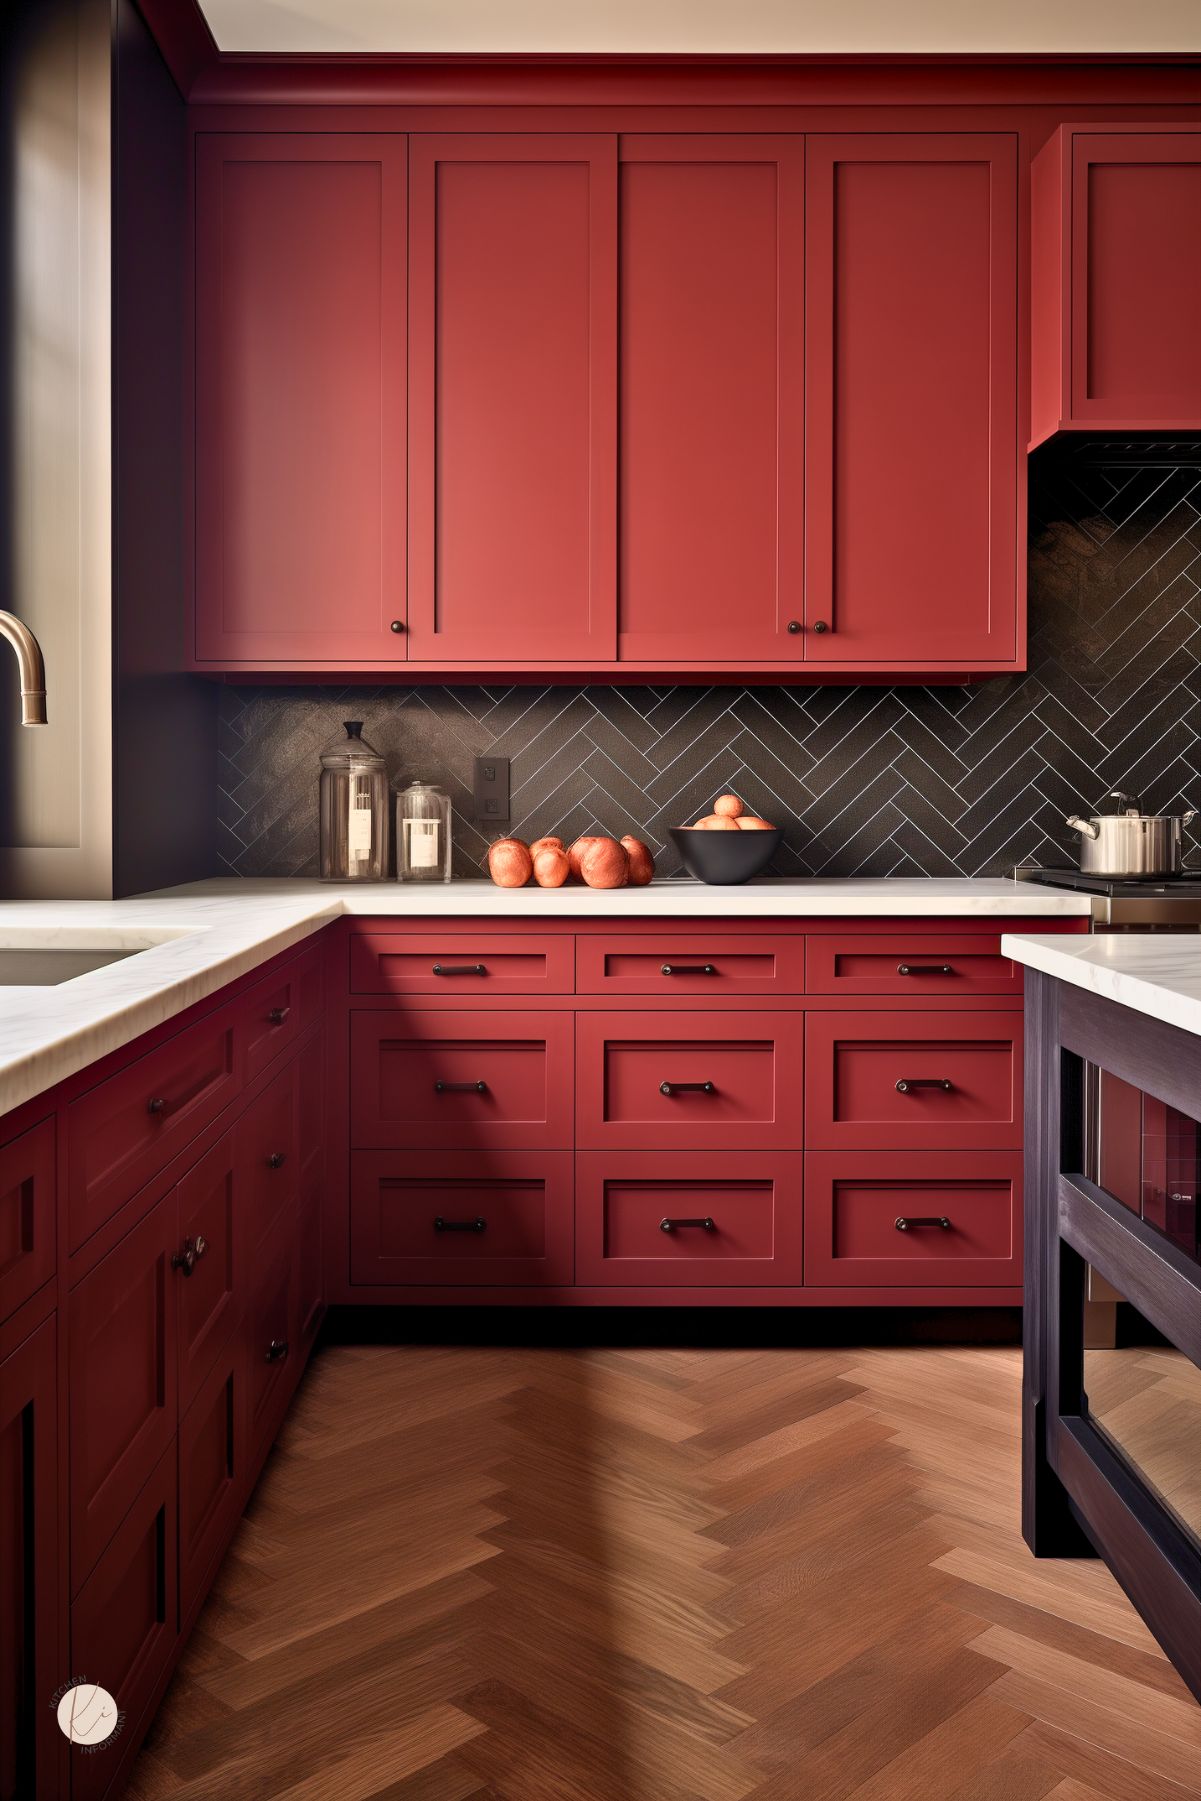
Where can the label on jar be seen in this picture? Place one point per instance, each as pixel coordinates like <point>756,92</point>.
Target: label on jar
<point>423,843</point>
<point>359,834</point>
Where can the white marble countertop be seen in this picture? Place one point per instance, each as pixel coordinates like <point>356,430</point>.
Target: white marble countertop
<point>1158,973</point>
<point>196,939</point>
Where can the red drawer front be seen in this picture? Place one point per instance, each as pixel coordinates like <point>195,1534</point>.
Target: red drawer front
<point>472,965</point>
<point>711,965</point>
<point>212,1454</point>
<point>751,1201</point>
<point>276,1014</point>
<point>642,1080</point>
<point>27,1215</point>
<point>210,1227</point>
<point>121,1379</point>
<point>415,1080</point>
<point>854,1201</point>
<point>523,1200</point>
<point>910,968</point>
<point>125,1622</point>
<point>875,1080</point>
<point>267,1157</point>
<point>124,1131</point>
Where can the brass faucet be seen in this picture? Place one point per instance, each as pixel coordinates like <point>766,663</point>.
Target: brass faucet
<point>31,665</point>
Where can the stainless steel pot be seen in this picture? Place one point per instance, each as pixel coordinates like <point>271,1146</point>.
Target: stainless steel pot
<point>1129,842</point>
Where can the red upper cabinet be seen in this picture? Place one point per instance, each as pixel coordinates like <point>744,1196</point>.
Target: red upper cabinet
<point>711,399</point>
<point>299,539</point>
<point>512,410</point>
<point>911,402</point>
<point>1116,280</point>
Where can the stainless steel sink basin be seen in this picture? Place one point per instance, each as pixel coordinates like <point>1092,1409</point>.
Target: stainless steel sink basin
<point>27,960</point>
<point>47,968</point>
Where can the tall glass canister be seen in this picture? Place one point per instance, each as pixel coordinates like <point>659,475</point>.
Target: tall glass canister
<point>422,834</point>
<point>354,809</point>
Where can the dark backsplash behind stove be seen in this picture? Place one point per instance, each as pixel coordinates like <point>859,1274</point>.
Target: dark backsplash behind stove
<point>868,781</point>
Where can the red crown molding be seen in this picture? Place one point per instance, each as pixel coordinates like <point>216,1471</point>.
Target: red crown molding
<point>203,73</point>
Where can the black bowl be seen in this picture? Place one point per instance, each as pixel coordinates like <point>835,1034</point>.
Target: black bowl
<point>725,857</point>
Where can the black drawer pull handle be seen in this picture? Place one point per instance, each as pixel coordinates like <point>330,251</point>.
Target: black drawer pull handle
<point>460,1087</point>
<point>673,1225</point>
<point>460,969</point>
<point>687,1088</point>
<point>277,1015</point>
<point>459,1225</point>
<point>931,1219</point>
<point>925,969</point>
<point>277,1350</point>
<point>907,1084</point>
<point>193,1250</point>
<point>688,969</point>
<point>277,1159</point>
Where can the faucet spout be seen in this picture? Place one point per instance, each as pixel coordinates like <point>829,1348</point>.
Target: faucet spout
<point>32,667</point>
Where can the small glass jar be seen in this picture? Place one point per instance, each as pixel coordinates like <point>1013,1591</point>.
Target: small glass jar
<point>422,834</point>
<point>354,809</point>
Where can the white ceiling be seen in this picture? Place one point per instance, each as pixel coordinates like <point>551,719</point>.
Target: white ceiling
<point>723,26</point>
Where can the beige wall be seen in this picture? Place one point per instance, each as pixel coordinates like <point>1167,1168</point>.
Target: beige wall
<point>722,26</point>
<point>55,497</point>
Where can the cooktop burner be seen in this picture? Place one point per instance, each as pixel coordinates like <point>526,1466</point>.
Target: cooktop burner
<point>1185,886</point>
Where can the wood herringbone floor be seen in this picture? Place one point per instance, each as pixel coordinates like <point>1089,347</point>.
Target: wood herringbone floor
<point>482,1574</point>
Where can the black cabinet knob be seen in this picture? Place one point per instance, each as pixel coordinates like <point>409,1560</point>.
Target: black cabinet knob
<point>398,625</point>
<point>794,626</point>
<point>819,625</point>
<point>276,1160</point>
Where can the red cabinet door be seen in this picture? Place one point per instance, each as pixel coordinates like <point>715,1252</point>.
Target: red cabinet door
<point>30,1667</point>
<point>711,382</point>
<point>122,1379</point>
<point>213,1449</point>
<point>911,400</point>
<point>1136,279</point>
<point>125,1622</point>
<point>300,398</point>
<point>27,1215</point>
<point>211,1228</point>
<point>512,369</point>
<point>270,1340</point>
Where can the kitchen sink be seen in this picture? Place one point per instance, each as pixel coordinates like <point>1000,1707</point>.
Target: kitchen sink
<point>28,961</point>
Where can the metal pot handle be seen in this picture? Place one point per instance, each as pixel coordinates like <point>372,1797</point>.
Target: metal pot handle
<point>1085,827</point>
<point>1188,816</point>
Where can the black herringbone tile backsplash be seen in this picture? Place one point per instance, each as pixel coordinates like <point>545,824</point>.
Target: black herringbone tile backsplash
<point>866,781</point>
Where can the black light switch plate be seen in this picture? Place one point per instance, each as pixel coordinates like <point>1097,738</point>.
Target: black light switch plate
<point>491,787</point>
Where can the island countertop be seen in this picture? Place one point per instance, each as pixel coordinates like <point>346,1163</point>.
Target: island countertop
<point>1157,973</point>
<point>194,940</point>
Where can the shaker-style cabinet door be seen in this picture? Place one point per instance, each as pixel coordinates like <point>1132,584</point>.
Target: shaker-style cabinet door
<point>512,399</point>
<point>30,1665</point>
<point>299,540</point>
<point>911,402</point>
<point>712,236</point>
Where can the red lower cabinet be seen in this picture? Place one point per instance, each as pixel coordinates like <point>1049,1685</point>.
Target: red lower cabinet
<point>122,1379</point>
<point>908,1219</point>
<point>689,1081</point>
<point>30,1666</point>
<point>125,1620</point>
<point>210,1228</point>
<point>461,1218</point>
<point>213,1448</point>
<point>914,1080</point>
<point>723,1220</point>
